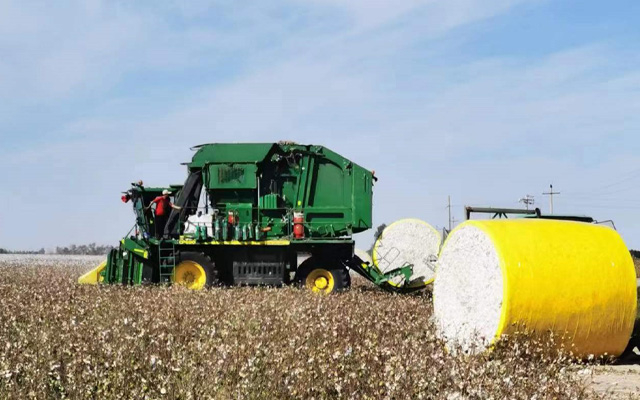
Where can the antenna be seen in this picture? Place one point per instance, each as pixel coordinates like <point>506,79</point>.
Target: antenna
<point>527,200</point>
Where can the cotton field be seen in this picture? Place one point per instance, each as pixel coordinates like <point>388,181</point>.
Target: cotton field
<point>61,340</point>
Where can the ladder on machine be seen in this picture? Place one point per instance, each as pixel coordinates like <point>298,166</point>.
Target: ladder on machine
<point>166,261</point>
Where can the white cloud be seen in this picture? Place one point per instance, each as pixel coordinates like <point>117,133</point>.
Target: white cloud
<point>61,51</point>
<point>436,16</point>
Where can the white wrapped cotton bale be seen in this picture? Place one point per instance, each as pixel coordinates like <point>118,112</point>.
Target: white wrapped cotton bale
<point>573,279</point>
<point>408,241</point>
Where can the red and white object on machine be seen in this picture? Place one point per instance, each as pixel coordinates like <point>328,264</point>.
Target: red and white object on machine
<point>298,225</point>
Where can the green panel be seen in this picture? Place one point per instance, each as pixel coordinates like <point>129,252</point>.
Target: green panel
<point>362,199</point>
<point>327,221</point>
<point>289,192</point>
<point>223,197</point>
<point>232,176</point>
<point>334,193</point>
<point>230,153</point>
<point>328,188</point>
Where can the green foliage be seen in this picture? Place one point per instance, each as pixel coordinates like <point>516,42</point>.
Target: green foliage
<point>5,251</point>
<point>91,249</point>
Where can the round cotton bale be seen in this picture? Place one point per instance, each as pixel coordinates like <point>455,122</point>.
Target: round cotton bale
<point>573,279</point>
<point>408,241</point>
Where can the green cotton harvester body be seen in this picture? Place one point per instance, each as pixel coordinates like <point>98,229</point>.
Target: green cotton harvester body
<point>252,214</point>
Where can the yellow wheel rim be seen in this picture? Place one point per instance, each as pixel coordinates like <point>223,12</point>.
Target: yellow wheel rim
<point>190,274</point>
<point>320,281</point>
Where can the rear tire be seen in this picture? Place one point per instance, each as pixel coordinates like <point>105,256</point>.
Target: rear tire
<point>323,277</point>
<point>195,271</point>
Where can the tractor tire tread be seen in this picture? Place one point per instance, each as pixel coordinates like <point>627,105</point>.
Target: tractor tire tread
<point>342,278</point>
<point>205,262</point>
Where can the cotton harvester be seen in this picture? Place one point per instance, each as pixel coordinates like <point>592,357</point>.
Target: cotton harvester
<point>254,214</point>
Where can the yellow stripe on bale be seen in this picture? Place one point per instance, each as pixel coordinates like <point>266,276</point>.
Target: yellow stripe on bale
<point>574,279</point>
<point>92,277</point>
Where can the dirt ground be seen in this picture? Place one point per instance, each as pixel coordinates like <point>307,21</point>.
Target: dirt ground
<point>618,381</point>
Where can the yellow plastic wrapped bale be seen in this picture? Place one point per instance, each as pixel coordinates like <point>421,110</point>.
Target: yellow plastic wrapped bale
<point>574,279</point>
<point>92,277</point>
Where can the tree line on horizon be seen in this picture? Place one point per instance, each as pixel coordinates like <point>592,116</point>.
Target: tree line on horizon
<point>5,251</point>
<point>91,249</point>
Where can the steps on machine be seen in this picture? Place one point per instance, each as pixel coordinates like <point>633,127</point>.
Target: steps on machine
<point>167,261</point>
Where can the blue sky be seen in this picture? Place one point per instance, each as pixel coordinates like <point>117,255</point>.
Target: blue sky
<point>486,101</point>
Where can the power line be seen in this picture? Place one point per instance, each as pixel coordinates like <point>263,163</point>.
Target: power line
<point>628,201</point>
<point>633,174</point>
<point>601,194</point>
<point>611,207</point>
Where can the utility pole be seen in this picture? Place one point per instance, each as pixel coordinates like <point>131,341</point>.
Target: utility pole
<point>550,193</point>
<point>449,207</point>
<point>528,200</point>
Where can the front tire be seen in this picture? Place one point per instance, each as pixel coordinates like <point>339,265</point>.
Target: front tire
<point>195,271</point>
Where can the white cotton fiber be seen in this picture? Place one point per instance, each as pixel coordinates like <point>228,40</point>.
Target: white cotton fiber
<point>468,291</point>
<point>408,241</point>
